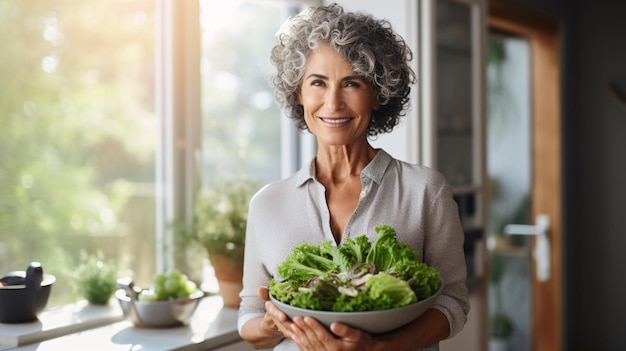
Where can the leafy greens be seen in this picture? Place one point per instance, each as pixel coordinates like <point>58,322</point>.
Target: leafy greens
<point>356,276</point>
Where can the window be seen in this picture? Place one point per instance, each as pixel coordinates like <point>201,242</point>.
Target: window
<point>82,128</point>
<point>77,135</point>
<point>240,121</point>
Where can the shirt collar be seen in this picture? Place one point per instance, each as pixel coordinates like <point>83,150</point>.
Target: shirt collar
<point>374,170</point>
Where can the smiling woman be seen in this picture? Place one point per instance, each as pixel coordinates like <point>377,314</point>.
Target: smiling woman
<point>344,76</point>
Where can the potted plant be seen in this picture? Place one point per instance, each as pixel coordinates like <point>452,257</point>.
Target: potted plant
<point>500,324</point>
<point>219,226</point>
<point>501,328</point>
<point>95,280</point>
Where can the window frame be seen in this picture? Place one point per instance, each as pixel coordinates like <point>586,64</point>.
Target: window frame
<point>178,107</point>
<point>178,110</point>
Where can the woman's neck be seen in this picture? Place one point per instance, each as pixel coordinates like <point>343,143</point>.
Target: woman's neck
<point>339,164</point>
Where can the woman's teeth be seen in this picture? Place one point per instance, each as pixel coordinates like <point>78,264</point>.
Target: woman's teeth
<point>336,120</point>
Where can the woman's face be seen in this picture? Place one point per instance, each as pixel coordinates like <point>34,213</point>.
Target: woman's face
<point>337,103</point>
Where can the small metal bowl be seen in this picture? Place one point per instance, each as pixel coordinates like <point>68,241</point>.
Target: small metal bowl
<point>158,314</point>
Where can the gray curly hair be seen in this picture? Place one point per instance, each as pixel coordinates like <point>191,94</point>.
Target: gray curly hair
<point>375,52</point>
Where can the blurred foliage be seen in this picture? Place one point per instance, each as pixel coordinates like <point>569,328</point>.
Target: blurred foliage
<point>500,101</point>
<point>241,123</point>
<point>500,325</point>
<point>219,219</point>
<point>77,127</point>
<point>95,279</point>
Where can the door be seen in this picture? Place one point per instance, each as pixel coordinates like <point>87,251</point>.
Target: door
<point>541,36</point>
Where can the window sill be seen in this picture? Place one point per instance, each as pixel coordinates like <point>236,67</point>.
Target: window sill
<point>58,321</point>
<point>79,327</point>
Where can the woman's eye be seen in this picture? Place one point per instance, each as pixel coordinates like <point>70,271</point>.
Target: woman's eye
<point>317,83</point>
<point>353,84</point>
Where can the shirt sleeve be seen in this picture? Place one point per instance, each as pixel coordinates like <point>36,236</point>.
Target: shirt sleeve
<point>254,275</point>
<point>443,250</point>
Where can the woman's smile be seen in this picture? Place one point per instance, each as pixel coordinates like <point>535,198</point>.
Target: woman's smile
<point>335,122</point>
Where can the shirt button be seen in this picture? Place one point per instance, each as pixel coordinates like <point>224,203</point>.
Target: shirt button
<point>363,193</point>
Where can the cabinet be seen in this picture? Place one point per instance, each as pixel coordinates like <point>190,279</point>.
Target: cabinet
<point>452,116</point>
<point>452,109</point>
<point>453,99</point>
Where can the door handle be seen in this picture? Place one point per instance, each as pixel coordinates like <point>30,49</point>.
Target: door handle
<point>541,253</point>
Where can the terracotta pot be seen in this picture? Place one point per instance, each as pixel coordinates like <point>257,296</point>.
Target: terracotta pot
<point>229,274</point>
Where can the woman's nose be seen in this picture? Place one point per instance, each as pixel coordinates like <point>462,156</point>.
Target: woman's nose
<point>334,98</point>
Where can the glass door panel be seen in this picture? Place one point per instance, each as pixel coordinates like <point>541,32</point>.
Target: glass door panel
<point>509,171</point>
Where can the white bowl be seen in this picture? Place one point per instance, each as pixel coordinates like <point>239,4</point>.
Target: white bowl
<point>159,314</point>
<point>372,322</point>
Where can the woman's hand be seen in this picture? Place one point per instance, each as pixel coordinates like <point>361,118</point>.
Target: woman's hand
<point>267,331</point>
<point>309,334</point>
<point>274,321</point>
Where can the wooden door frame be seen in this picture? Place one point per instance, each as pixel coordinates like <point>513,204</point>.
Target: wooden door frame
<point>543,34</point>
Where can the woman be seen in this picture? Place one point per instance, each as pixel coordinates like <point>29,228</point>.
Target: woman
<point>345,77</point>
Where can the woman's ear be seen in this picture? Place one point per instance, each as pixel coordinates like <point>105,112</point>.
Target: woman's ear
<point>376,104</point>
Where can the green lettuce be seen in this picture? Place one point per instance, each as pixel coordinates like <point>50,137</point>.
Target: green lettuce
<point>356,276</point>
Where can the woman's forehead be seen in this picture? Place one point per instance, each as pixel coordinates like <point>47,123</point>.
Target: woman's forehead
<point>326,59</point>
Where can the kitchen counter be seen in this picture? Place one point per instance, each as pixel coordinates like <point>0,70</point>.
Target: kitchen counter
<point>212,327</point>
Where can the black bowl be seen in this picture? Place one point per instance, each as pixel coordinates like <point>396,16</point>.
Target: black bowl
<point>24,294</point>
